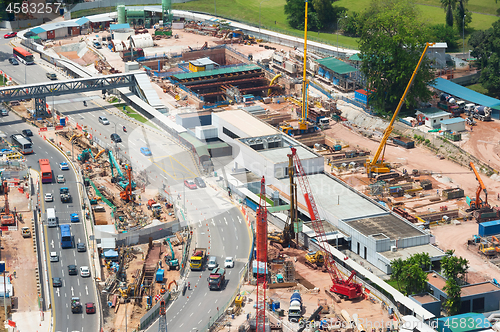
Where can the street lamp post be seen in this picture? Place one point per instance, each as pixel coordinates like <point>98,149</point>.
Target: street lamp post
<point>463,34</point>
<point>338,19</point>
<point>259,15</point>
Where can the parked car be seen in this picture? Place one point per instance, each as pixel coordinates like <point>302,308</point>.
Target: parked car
<point>56,282</point>
<point>11,34</point>
<point>60,178</point>
<point>51,76</point>
<point>64,166</point>
<point>84,271</point>
<point>72,270</point>
<point>49,197</point>
<point>199,182</point>
<point>212,262</point>
<point>80,247</point>
<point>90,307</point>
<point>190,184</point>
<point>27,132</point>
<point>229,262</point>
<point>145,151</point>
<point>116,138</point>
<point>13,61</point>
<point>54,257</point>
<point>74,217</point>
<point>103,120</point>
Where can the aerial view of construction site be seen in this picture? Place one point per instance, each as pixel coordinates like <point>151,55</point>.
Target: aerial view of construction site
<point>207,175</point>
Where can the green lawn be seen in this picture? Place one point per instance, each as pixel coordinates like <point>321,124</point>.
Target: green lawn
<point>133,114</point>
<point>478,88</point>
<point>273,16</point>
<point>393,284</point>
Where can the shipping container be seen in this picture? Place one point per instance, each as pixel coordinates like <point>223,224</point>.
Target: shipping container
<point>404,142</point>
<point>453,193</point>
<point>489,228</point>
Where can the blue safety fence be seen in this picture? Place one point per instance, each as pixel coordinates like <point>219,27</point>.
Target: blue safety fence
<point>323,91</point>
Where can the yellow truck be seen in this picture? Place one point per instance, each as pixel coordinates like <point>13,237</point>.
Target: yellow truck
<point>198,259</point>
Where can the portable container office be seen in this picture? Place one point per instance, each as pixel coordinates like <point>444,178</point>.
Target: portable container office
<point>489,228</point>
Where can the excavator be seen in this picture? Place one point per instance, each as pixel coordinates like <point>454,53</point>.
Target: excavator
<point>315,257</point>
<point>376,166</point>
<point>126,195</point>
<point>477,203</point>
<point>172,262</point>
<point>126,292</point>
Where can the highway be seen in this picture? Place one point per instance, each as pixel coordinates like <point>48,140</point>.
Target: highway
<point>167,167</point>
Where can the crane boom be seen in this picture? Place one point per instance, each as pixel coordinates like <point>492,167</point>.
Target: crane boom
<point>346,288</point>
<point>303,120</point>
<point>481,187</point>
<point>374,166</point>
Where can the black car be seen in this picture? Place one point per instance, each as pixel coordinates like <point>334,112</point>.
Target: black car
<point>116,138</point>
<point>13,61</point>
<point>72,271</point>
<point>80,247</point>
<point>27,132</point>
<point>199,182</point>
<point>56,282</point>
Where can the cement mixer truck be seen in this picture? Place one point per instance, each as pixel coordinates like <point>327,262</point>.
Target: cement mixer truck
<point>295,309</point>
<point>482,113</point>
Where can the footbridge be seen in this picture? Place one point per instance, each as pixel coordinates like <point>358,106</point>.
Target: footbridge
<point>41,91</point>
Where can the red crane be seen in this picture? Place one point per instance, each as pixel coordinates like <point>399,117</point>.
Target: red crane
<point>261,243</point>
<point>127,193</point>
<point>346,287</point>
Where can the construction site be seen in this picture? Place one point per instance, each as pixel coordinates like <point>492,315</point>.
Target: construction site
<point>363,193</point>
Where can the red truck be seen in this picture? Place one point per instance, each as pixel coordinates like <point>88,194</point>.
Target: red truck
<point>216,279</point>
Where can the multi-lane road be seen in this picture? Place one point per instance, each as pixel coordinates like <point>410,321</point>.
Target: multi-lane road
<point>218,224</point>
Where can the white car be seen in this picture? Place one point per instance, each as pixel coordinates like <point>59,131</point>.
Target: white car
<point>84,271</point>
<point>54,257</point>
<point>212,262</point>
<point>229,262</point>
<point>49,197</point>
<point>60,178</point>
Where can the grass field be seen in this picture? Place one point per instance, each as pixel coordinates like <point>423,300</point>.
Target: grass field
<point>272,15</point>
<point>133,114</point>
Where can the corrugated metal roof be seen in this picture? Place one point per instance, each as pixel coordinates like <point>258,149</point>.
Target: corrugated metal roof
<point>193,140</point>
<point>119,26</point>
<point>101,18</point>
<point>217,72</point>
<point>148,90</point>
<point>336,65</point>
<point>355,57</point>
<point>464,93</point>
<point>453,120</point>
<point>59,25</point>
<point>38,30</point>
<point>82,20</point>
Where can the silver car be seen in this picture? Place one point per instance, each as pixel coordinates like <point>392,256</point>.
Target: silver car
<point>212,263</point>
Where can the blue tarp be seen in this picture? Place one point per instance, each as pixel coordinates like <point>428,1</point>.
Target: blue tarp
<point>82,20</point>
<point>465,94</point>
<point>119,26</point>
<point>37,30</point>
<point>110,254</point>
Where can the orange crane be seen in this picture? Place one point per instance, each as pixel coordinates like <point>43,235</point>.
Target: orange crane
<point>477,203</point>
<point>7,217</point>
<point>127,193</point>
<point>345,287</point>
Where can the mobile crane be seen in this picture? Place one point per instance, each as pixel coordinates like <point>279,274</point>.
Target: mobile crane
<point>376,166</point>
<point>345,287</point>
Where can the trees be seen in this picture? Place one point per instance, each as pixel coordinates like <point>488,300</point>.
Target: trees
<point>320,13</point>
<point>486,48</point>
<point>460,11</point>
<point>409,274</point>
<point>444,33</point>
<point>454,269</point>
<point>449,6</point>
<point>392,39</point>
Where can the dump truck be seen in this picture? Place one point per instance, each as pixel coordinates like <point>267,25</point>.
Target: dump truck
<point>65,195</point>
<point>76,305</point>
<point>216,279</point>
<point>295,309</point>
<point>154,207</point>
<point>198,259</point>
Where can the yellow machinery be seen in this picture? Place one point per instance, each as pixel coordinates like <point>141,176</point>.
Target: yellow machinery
<point>303,125</point>
<point>276,237</point>
<point>487,249</point>
<point>376,166</point>
<point>126,292</point>
<point>99,153</point>
<point>272,82</point>
<point>315,257</point>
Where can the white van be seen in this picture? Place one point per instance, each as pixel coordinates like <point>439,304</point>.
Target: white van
<point>470,107</point>
<point>461,104</point>
<point>51,217</point>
